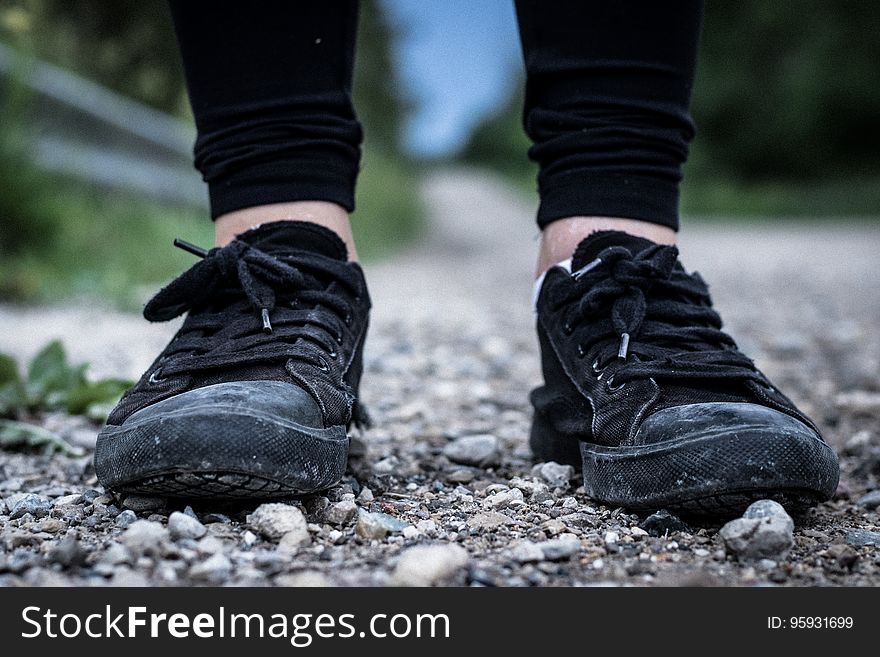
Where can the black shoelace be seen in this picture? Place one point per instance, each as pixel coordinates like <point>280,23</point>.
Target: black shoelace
<point>281,304</point>
<point>651,318</point>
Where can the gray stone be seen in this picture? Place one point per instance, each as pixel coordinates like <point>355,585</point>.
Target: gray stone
<point>145,537</point>
<point>216,569</point>
<point>764,531</point>
<point>662,523</point>
<point>480,450</point>
<point>378,525</point>
<point>870,500</point>
<point>430,565</point>
<point>489,520</point>
<point>68,500</point>
<point>388,465</point>
<point>274,520</point>
<point>562,547</point>
<point>37,505</point>
<point>68,552</point>
<point>527,552</point>
<point>126,518</point>
<point>295,539</point>
<point>862,537</point>
<point>341,513</point>
<point>143,503</point>
<point>555,474</point>
<point>181,526</point>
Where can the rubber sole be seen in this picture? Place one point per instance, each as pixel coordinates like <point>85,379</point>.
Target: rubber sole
<point>717,473</point>
<point>221,451</point>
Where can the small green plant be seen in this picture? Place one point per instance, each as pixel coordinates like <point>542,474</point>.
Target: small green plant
<point>51,384</point>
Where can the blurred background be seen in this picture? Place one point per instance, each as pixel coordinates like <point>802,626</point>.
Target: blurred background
<point>96,136</point>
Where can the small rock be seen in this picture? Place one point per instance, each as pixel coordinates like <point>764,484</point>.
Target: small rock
<point>210,545</point>
<point>274,520</point>
<point>560,548</point>
<point>143,503</point>
<point>377,525</point>
<point>216,569</point>
<point>460,476</point>
<point>126,518</point>
<point>429,565</point>
<point>68,552</point>
<point>37,505</point>
<point>306,578</point>
<point>662,523</point>
<point>527,552</point>
<point>181,526</point>
<point>611,538</point>
<point>365,496</point>
<point>859,402</point>
<point>68,500</point>
<point>480,450</point>
<point>870,500</point>
<point>341,513</point>
<point>293,540</point>
<point>488,520</point>
<point>116,554</point>
<point>862,537</point>
<point>504,499</point>
<point>843,555</point>
<point>145,537</point>
<point>764,531</point>
<point>555,474</point>
<point>386,466</point>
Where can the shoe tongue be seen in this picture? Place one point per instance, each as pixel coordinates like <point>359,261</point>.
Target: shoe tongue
<point>592,246</point>
<point>283,237</point>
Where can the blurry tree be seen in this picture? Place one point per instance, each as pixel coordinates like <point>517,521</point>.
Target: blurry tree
<point>129,46</point>
<point>786,91</point>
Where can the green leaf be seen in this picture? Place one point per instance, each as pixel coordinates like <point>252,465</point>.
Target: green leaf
<point>12,394</point>
<point>102,392</point>
<point>51,379</point>
<point>21,435</point>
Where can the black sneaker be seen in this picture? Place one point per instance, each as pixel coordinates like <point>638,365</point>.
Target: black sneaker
<point>656,402</point>
<point>254,395</point>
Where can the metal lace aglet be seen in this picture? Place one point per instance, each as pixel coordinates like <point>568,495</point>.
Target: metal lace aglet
<point>624,346</point>
<point>587,267</point>
<point>267,325</point>
<point>191,248</point>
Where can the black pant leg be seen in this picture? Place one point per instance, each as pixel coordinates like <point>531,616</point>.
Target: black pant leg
<point>270,86</point>
<point>607,104</point>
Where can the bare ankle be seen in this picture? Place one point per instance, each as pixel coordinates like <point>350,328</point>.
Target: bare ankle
<point>323,213</point>
<point>560,238</point>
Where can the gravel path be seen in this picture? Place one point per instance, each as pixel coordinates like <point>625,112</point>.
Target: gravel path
<point>443,490</point>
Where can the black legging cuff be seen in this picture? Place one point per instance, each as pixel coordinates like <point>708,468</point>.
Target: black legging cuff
<point>595,194</point>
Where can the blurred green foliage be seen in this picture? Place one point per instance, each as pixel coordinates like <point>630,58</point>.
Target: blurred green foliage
<point>63,238</point>
<point>786,101</point>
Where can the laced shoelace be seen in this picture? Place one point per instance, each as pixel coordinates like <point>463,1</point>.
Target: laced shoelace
<point>650,317</point>
<point>280,306</point>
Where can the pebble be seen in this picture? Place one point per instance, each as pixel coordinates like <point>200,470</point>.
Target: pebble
<point>844,555</point>
<point>67,500</point>
<point>295,539</point>
<point>489,520</point>
<point>662,523</point>
<point>870,500</point>
<point>274,520</point>
<point>555,474</point>
<point>36,505</point>
<point>145,537</point>
<point>430,565</point>
<point>143,503</point>
<point>765,530</point>
<point>68,552</point>
<point>126,518</point>
<point>479,450</point>
<point>561,547</point>
<point>216,569</point>
<point>862,537</point>
<point>182,526</point>
<point>504,499</point>
<point>377,525</point>
<point>341,513</point>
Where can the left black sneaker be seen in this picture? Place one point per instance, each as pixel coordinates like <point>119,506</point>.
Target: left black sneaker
<point>647,393</point>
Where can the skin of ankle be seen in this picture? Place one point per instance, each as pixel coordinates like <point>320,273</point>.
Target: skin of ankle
<point>561,237</point>
<point>324,213</point>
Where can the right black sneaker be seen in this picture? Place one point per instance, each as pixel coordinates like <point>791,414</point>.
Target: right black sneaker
<point>647,393</point>
<point>254,395</point>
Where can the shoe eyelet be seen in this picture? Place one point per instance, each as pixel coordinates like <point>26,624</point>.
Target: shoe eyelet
<point>333,354</point>
<point>567,328</point>
<point>339,338</point>
<point>596,369</point>
<point>323,366</point>
<point>610,387</point>
<point>348,319</point>
<point>156,376</point>
<point>580,351</point>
